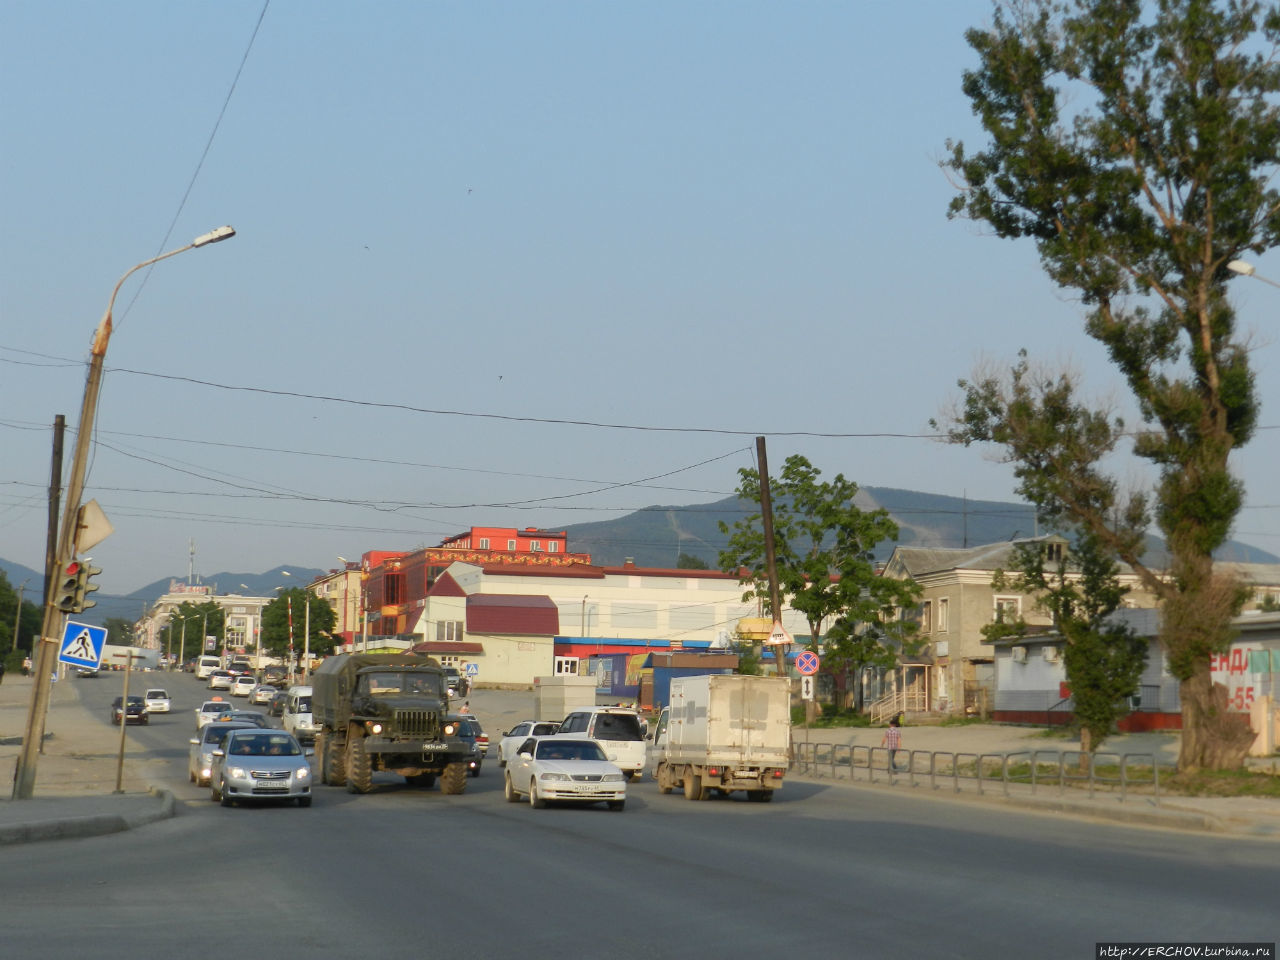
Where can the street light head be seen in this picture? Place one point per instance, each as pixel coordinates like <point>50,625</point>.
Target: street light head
<point>1242,267</point>
<point>213,236</point>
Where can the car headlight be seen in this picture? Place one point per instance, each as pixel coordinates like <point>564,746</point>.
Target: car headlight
<point>450,729</point>
<point>238,773</point>
<point>553,776</point>
<point>303,773</point>
<point>612,778</point>
<point>375,728</point>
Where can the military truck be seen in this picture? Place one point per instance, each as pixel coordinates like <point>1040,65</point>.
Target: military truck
<point>385,711</point>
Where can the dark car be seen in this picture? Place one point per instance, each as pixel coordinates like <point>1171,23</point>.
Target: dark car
<point>275,707</point>
<point>469,730</point>
<point>135,712</point>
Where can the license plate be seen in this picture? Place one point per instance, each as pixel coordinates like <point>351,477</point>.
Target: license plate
<point>271,785</point>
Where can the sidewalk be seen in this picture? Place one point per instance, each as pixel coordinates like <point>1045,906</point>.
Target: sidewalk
<point>75,775</point>
<point>1246,816</point>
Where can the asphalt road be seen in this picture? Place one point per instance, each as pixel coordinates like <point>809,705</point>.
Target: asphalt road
<point>822,871</point>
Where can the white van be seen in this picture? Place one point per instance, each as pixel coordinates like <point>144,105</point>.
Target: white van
<point>297,714</point>
<point>620,732</point>
<point>206,665</point>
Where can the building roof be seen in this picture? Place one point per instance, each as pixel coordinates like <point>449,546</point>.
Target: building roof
<point>512,615</point>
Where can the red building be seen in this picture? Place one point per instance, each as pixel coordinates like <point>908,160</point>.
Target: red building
<point>395,584</point>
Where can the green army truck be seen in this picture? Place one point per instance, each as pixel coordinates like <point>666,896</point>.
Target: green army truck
<point>385,711</point>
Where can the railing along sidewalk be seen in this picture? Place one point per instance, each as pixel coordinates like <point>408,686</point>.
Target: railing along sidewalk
<point>1064,768</point>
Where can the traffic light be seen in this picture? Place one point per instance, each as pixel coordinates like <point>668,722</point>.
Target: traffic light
<point>74,587</point>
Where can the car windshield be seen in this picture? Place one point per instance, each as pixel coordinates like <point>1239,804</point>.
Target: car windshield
<point>264,745</point>
<point>569,750</point>
<point>157,695</point>
<point>617,726</point>
<point>304,705</point>
<point>392,684</point>
<point>545,729</point>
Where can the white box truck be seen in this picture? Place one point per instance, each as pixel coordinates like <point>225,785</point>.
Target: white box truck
<point>554,698</point>
<point>724,732</point>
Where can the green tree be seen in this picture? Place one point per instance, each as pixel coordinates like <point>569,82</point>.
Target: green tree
<point>190,623</point>
<point>1080,589</point>
<point>824,554</point>
<point>1135,145</point>
<point>275,624</point>
<point>28,619</point>
<point>689,562</point>
<point>119,631</point>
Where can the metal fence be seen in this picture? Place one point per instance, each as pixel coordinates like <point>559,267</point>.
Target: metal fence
<point>1128,774</point>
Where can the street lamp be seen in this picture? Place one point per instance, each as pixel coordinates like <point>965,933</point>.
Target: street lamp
<point>1246,269</point>
<point>25,775</point>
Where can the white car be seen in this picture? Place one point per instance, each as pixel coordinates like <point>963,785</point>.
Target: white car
<point>200,757</point>
<point>220,680</point>
<point>562,768</point>
<point>518,734</point>
<point>243,685</point>
<point>620,731</point>
<point>157,701</point>
<point>211,710</point>
<point>263,693</point>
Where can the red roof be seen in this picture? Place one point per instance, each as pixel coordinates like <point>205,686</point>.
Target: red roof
<point>513,615</point>
<point>446,586</point>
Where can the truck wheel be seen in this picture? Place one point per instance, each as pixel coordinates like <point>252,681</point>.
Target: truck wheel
<point>693,786</point>
<point>509,790</point>
<point>535,801</point>
<point>335,762</point>
<point>663,776</point>
<point>321,759</point>
<point>454,778</point>
<point>359,767</point>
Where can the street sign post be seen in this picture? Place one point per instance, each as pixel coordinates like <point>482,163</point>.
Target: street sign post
<point>806,687</point>
<point>779,634</point>
<point>807,663</point>
<point>82,645</point>
<point>473,669</point>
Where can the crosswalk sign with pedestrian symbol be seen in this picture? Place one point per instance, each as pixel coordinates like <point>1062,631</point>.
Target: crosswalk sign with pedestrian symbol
<point>82,645</point>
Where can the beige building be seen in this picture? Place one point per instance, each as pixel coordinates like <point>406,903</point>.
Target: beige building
<point>958,600</point>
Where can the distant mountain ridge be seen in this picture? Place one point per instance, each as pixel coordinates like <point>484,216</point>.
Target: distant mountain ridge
<point>656,536</point>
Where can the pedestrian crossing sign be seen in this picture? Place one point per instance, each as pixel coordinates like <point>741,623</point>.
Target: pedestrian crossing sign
<point>82,645</point>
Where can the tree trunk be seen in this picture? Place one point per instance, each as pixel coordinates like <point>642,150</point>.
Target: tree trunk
<point>1213,738</point>
<point>1086,749</point>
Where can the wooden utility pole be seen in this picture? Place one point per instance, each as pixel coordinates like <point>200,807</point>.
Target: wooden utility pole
<point>770,556</point>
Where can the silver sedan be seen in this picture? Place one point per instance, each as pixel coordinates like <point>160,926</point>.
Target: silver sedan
<point>256,764</point>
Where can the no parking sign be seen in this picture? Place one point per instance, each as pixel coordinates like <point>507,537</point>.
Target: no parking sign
<point>807,663</point>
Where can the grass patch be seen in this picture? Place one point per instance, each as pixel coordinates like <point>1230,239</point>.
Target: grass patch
<point>829,719</point>
<point>958,721</point>
<point>1222,783</point>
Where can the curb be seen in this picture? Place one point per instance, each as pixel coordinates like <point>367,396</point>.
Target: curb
<point>72,826</point>
<point>1165,817</point>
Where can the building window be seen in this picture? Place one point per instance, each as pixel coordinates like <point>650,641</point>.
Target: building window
<point>484,543</point>
<point>511,545</point>
<point>926,617</point>
<point>1007,609</point>
<point>566,666</point>
<point>448,630</point>
<point>553,547</point>
<point>448,661</point>
<point>943,604</point>
<point>535,545</point>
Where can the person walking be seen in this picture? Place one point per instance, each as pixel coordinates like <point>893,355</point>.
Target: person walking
<point>893,740</point>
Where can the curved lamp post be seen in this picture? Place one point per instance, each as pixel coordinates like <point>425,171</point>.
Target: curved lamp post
<point>1246,269</point>
<point>25,775</point>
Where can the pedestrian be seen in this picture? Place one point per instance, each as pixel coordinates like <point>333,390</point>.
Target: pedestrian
<point>1,670</point>
<point>26,666</point>
<point>466,706</point>
<point>893,740</point>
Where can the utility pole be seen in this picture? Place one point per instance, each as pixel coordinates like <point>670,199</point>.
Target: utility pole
<point>17,617</point>
<point>25,775</point>
<point>306,637</point>
<point>770,556</point>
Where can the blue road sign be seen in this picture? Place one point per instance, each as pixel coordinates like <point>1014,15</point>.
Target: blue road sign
<point>473,669</point>
<point>82,645</point>
<point>807,663</point>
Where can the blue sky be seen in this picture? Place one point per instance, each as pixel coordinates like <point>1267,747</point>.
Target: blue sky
<point>707,217</point>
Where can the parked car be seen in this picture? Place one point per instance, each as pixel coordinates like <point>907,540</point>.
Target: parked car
<point>136,711</point>
<point>243,685</point>
<point>620,731</point>
<point>518,734</point>
<point>251,764</point>
<point>220,680</point>
<point>86,671</point>
<point>263,693</point>
<point>200,756</point>
<point>157,701</point>
<point>212,709</point>
<point>564,768</point>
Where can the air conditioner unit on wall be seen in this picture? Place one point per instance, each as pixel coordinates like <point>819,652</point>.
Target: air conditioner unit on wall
<point>1050,654</point>
<point>1019,654</point>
